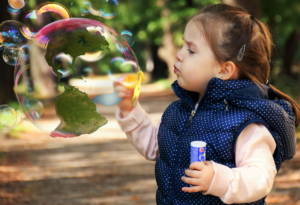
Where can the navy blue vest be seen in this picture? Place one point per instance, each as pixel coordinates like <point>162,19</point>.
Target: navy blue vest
<point>225,109</point>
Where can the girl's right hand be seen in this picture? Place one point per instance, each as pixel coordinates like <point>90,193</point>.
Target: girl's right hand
<point>127,94</point>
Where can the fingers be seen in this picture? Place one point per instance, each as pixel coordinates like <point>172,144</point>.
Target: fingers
<point>197,165</point>
<point>194,181</point>
<point>189,180</point>
<point>192,189</point>
<point>123,92</point>
<point>192,173</point>
<point>194,177</point>
<point>119,80</point>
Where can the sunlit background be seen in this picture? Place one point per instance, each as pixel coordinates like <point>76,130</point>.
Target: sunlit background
<point>103,167</point>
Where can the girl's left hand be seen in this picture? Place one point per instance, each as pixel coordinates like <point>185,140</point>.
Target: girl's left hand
<point>201,177</point>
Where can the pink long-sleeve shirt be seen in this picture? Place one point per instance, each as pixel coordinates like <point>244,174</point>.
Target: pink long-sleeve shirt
<point>250,181</point>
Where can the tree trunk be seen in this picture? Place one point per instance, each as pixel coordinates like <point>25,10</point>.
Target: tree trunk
<point>41,72</point>
<point>253,7</point>
<point>160,67</point>
<point>168,51</point>
<point>7,72</point>
<point>290,49</point>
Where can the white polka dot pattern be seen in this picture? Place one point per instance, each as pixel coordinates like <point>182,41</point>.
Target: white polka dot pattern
<point>219,129</point>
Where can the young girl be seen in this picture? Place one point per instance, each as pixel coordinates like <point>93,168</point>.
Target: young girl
<point>225,100</point>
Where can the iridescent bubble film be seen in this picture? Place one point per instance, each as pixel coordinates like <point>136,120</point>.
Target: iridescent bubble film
<point>102,8</point>
<point>127,35</point>
<point>108,8</point>
<point>66,62</point>
<point>54,7</point>
<point>92,56</point>
<point>11,34</point>
<point>27,33</point>
<point>24,52</point>
<point>31,15</point>
<point>88,71</point>
<point>13,11</point>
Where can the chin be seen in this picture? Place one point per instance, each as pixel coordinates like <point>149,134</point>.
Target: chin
<point>182,85</point>
<point>179,83</point>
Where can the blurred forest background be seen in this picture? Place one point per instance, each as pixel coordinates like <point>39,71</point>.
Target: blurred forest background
<point>157,27</point>
<point>103,167</point>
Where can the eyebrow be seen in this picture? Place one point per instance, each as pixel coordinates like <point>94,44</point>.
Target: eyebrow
<point>189,42</point>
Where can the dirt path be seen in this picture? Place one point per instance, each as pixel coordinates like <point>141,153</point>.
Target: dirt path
<point>101,168</point>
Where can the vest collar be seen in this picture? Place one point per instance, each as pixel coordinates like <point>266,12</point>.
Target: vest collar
<point>217,90</point>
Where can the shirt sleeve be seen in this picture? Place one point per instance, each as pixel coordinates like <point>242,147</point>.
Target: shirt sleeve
<point>254,175</point>
<point>140,132</point>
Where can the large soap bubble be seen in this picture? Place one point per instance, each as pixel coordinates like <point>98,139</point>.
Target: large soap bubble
<point>53,78</point>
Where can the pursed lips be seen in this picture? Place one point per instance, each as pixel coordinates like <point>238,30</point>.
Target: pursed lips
<point>175,69</point>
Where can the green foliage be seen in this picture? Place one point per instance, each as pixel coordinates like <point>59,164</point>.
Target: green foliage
<point>143,18</point>
<point>73,43</point>
<point>77,113</point>
<point>284,16</point>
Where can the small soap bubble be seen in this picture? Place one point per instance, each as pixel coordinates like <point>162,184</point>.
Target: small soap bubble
<point>71,3</point>
<point>127,35</point>
<point>87,71</point>
<point>108,8</point>
<point>11,34</point>
<point>17,4</point>
<point>104,8</point>
<point>84,12</point>
<point>11,55</point>
<point>66,62</point>
<point>8,117</point>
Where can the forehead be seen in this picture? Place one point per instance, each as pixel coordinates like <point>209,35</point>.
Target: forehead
<point>193,33</point>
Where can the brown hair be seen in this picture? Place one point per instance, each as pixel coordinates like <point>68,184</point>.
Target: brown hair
<point>226,29</point>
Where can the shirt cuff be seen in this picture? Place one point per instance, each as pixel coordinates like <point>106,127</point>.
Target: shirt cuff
<point>220,181</point>
<point>131,121</point>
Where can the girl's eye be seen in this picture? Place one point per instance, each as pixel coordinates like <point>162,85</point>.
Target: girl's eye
<point>190,51</point>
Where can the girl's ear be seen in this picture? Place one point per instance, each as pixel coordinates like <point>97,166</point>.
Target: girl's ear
<point>229,71</point>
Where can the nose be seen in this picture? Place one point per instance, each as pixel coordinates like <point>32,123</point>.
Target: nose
<point>179,56</point>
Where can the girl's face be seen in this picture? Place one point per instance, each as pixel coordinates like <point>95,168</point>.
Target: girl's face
<point>196,63</point>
